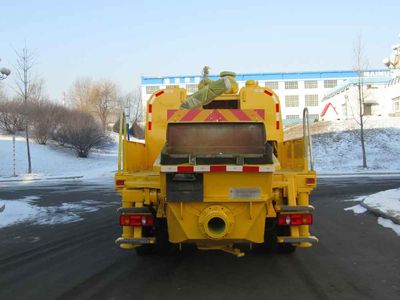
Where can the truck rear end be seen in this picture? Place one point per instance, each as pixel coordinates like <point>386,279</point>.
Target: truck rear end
<point>215,176</point>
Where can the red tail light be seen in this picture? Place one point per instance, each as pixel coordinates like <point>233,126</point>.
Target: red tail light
<point>120,182</point>
<point>310,181</point>
<point>295,219</point>
<point>136,220</point>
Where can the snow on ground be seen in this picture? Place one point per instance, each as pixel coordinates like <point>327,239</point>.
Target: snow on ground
<point>387,202</point>
<point>357,209</point>
<point>389,224</point>
<point>27,210</point>
<point>55,161</point>
<point>337,146</point>
<point>340,152</point>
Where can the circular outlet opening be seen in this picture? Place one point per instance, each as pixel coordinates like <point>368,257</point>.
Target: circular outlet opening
<point>216,225</point>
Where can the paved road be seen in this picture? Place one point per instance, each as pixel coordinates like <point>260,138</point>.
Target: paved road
<point>356,258</point>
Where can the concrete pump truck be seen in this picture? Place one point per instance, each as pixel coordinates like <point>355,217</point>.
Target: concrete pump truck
<point>215,171</point>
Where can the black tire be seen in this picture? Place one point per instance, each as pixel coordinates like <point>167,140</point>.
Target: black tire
<point>285,248</point>
<point>162,245</point>
<point>270,234</point>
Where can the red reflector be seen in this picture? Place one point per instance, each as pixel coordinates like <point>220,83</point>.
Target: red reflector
<point>267,92</point>
<point>250,169</point>
<point>277,107</point>
<point>310,180</point>
<point>120,182</point>
<point>149,125</point>
<point>295,219</point>
<point>150,108</point>
<point>185,169</point>
<point>217,168</point>
<point>277,124</point>
<point>136,220</point>
<point>159,93</point>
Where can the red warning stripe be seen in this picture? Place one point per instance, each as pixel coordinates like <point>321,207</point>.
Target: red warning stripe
<point>159,93</point>
<point>277,107</point>
<point>217,168</point>
<point>170,113</point>
<point>215,116</point>
<point>185,169</point>
<point>260,112</point>
<point>150,108</point>
<point>240,114</point>
<point>191,114</point>
<point>250,169</point>
<point>267,92</point>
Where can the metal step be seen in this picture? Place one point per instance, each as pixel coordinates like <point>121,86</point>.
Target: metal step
<point>289,239</point>
<point>289,208</point>
<point>138,241</point>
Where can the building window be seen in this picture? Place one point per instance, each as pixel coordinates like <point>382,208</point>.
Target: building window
<point>311,100</point>
<point>313,117</point>
<point>150,89</point>
<point>291,85</point>
<point>292,101</point>
<point>396,104</point>
<point>328,84</point>
<point>172,86</point>
<point>310,84</point>
<point>272,85</point>
<point>292,116</point>
<point>191,88</point>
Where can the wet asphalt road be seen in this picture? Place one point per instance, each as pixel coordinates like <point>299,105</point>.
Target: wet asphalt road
<point>355,259</point>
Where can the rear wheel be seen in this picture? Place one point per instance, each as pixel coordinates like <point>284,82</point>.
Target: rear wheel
<point>272,230</point>
<point>270,234</point>
<point>285,248</point>
<point>162,245</point>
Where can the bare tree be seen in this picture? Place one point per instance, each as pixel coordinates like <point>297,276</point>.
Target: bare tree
<point>83,133</point>
<point>360,65</point>
<point>12,118</point>
<point>104,100</point>
<point>24,65</point>
<point>133,105</point>
<point>80,93</point>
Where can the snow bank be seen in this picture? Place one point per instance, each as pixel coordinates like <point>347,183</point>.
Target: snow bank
<point>340,152</point>
<point>389,224</point>
<point>54,161</point>
<point>27,210</point>
<point>387,202</point>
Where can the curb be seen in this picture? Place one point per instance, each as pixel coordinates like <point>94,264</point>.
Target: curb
<point>41,179</point>
<point>367,174</point>
<point>380,213</point>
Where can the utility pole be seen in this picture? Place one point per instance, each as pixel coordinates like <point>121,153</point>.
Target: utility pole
<point>4,73</point>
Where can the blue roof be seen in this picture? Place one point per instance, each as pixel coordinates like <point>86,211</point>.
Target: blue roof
<point>262,76</point>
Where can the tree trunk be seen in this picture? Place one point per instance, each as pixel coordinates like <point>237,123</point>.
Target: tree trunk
<point>27,120</point>
<point>364,155</point>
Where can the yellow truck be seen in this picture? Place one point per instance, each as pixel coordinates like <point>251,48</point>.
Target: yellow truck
<point>215,171</point>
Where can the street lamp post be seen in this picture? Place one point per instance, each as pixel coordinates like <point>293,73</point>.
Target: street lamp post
<point>4,73</point>
<point>393,63</point>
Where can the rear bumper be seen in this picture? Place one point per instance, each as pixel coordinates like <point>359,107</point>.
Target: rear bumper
<point>294,240</point>
<point>136,241</point>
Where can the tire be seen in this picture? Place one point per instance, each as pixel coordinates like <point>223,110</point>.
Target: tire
<point>270,234</point>
<point>285,248</point>
<point>162,245</point>
<point>270,245</point>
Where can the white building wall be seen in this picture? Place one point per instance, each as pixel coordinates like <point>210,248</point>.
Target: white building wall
<point>281,91</point>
